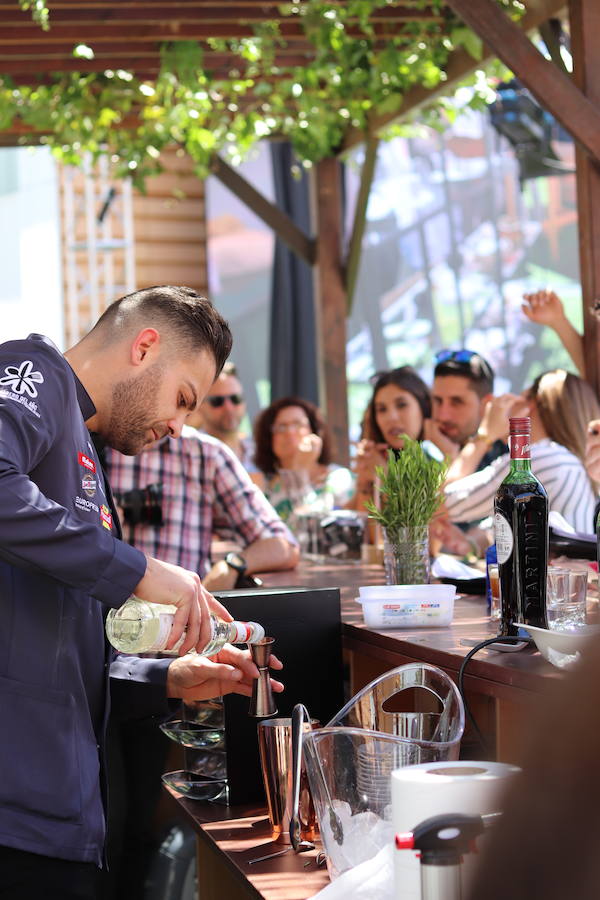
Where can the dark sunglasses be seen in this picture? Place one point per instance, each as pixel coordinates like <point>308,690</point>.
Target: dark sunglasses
<point>219,399</point>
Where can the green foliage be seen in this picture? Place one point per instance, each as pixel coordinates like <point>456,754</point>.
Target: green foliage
<point>39,11</point>
<point>410,488</point>
<point>351,78</point>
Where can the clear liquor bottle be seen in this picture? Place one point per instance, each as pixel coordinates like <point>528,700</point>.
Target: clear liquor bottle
<point>521,529</point>
<point>142,627</point>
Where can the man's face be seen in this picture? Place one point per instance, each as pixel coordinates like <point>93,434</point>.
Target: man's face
<point>222,410</point>
<point>457,408</point>
<point>157,401</point>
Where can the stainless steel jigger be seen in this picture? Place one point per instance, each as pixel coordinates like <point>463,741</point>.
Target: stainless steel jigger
<point>262,704</point>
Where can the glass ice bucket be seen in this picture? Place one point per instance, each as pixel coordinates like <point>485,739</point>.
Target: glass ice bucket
<point>413,714</point>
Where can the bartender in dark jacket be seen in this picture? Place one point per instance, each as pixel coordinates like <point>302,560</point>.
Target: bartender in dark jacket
<point>146,364</point>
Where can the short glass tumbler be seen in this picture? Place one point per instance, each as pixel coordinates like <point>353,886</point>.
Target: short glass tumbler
<point>566,598</point>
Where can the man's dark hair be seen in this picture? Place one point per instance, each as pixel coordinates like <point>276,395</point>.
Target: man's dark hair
<point>264,457</point>
<point>192,320</point>
<point>467,364</point>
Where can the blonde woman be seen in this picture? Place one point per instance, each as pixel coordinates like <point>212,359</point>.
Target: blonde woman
<point>560,405</point>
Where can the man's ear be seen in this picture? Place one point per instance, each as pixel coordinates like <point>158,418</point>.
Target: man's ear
<point>144,346</point>
<point>483,402</point>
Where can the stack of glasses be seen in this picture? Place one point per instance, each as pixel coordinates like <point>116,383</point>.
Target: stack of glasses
<point>200,730</point>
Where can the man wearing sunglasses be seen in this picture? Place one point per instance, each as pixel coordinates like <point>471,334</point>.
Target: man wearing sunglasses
<point>221,414</point>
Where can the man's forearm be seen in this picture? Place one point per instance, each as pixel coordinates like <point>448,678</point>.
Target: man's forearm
<point>270,555</point>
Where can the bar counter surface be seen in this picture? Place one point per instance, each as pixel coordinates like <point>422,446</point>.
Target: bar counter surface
<point>501,688</point>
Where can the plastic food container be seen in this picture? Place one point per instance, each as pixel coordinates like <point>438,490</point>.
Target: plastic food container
<point>407,605</point>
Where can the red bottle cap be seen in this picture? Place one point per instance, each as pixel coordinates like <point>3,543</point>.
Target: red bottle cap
<point>520,425</point>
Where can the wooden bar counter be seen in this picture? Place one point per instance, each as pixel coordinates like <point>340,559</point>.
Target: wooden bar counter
<point>502,689</point>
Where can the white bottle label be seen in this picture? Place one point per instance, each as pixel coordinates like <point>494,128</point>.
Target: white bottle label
<point>165,623</point>
<point>504,538</point>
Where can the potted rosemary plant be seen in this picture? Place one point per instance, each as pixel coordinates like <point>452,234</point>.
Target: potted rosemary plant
<point>410,492</point>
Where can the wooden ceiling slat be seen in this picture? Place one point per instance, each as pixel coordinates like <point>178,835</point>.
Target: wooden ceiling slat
<point>207,14</point>
<point>166,31</point>
<point>270,6</point>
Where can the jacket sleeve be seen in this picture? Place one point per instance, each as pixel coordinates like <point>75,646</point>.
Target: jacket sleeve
<point>36,532</point>
<point>138,687</point>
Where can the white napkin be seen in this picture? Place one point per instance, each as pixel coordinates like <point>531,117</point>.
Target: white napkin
<point>371,880</point>
<point>445,566</point>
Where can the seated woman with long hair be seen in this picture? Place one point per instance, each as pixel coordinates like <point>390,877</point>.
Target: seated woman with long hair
<point>400,404</point>
<point>293,453</point>
<point>560,406</point>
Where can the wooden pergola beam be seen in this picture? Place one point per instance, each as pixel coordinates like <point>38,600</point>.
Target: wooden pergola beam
<point>460,64</point>
<point>585,47</point>
<point>331,302</point>
<point>360,218</point>
<point>553,88</point>
<point>285,229</point>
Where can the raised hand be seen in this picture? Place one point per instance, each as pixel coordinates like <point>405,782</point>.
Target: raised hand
<point>544,308</point>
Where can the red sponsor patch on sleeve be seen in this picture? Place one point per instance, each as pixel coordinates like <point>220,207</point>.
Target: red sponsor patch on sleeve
<point>86,462</point>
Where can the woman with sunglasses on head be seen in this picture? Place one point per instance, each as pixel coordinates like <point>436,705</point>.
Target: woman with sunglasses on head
<point>293,452</point>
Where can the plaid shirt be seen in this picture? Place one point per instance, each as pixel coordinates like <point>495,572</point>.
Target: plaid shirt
<point>206,491</point>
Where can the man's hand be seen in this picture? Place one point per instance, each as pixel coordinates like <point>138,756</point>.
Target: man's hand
<point>544,308</point>
<point>194,677</point>
<point>171,585</point>
<point>433,433</point>
<point>592,450</point>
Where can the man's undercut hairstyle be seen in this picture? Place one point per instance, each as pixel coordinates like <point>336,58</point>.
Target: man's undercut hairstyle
<point>191,320</point>
<point>466,364</point>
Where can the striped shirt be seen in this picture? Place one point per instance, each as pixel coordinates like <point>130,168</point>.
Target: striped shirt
<point>563,475</point>
<point>206,492</point>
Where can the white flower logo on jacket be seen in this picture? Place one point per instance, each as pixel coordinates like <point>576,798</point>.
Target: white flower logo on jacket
<point>22,379</point>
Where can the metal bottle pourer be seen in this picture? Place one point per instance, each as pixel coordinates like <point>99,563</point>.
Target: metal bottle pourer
<point>262,704</point>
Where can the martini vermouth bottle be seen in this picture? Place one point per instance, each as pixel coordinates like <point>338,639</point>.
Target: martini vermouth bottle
<point>142,627</point>
<point>521,528</point>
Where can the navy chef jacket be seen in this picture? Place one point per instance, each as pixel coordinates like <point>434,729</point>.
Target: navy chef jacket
<point>61,567</point>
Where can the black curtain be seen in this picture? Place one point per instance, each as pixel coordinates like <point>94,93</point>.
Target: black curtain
<point>293,351</point>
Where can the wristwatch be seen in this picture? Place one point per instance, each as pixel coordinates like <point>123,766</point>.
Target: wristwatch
<point>236,561</point>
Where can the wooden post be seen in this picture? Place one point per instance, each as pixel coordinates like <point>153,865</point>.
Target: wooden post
<point>585,48</point>
<point>330,294</point>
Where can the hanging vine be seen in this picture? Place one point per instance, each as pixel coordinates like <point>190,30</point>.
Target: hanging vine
<point>351,78</point>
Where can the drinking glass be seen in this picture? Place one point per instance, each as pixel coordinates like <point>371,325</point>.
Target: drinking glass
<point>566,598</point>
<point>494,577</point>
